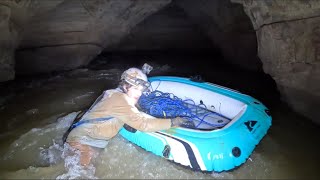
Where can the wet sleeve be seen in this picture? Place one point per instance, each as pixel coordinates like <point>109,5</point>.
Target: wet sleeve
<point>131,116</point>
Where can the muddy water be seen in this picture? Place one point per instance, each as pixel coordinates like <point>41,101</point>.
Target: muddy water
<point>35,114</point>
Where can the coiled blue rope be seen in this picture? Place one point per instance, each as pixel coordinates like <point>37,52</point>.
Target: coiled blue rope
<point>167,105</point>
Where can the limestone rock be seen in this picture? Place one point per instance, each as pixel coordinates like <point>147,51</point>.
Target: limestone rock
<point>168,29</point>
<point>58,35</point>
<point>8,37</point>
<point>228,27</point>
<point>288,37</point>
<point>74,32</point>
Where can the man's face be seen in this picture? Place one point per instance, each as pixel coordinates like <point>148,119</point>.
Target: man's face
<point>135,92</point>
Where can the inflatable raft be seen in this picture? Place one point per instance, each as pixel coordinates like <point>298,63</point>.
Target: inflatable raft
<point>244,121</point>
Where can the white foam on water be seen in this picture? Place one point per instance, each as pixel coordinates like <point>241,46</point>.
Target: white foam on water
<point>65,121</point>
<point>73,167</point>
<point>32,111</point>
<point>43,147</point>
<point>52,155</point>
<point>35,140</point>
<point>73,101</point>
<point>85,95</point>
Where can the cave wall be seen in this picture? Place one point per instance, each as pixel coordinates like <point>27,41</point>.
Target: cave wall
<point>288,37</point>
<point>65,34</point>
<point>228,27</point>
<point>169,29</point>
<point>8,43</point>
<point>61,35</point>
<point>14,15</point>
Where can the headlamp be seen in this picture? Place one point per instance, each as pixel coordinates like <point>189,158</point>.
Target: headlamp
<point>141,84</point>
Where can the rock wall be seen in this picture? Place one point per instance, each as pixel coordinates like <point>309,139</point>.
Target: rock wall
<point>8,43</point>
<point>14,15</point>
<point>289,46</point>
<point>228,27</point>
<point>66,34</point>
<point>168,29</point>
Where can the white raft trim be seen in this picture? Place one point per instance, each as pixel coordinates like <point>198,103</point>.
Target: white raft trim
<point>179,153</point>
<point>182,157</point>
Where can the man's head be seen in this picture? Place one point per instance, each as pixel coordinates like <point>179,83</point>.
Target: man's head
<point>133,82</point>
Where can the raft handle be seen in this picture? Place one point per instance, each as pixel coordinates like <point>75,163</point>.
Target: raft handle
<point>129,128</point>
<point>166,151</point>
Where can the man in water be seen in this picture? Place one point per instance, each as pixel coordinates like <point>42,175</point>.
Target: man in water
<point>114,109</point>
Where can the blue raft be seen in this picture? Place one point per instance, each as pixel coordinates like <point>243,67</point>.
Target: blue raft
<point>244,121</point>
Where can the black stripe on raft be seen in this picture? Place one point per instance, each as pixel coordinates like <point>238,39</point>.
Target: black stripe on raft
<point>192,157</point>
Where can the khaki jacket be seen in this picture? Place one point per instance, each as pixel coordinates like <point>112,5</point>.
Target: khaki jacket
<point>118,105</point>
